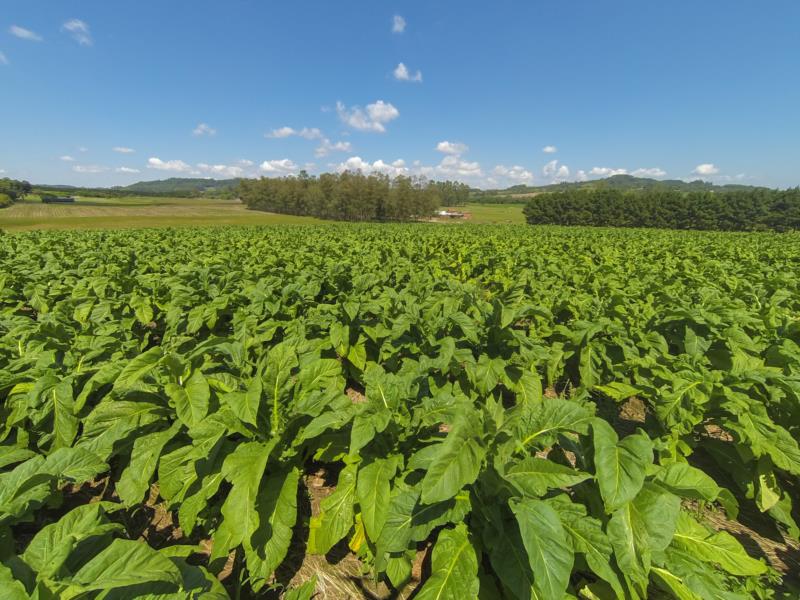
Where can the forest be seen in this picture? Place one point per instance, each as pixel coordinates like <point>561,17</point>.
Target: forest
<point>12,190</point>
<point>751,209</point>
<point>351,196</point>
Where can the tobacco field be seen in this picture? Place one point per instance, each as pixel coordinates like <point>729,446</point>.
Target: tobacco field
<point>514,412</point>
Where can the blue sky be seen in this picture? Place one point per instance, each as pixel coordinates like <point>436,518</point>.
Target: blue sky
<point>492,93</point>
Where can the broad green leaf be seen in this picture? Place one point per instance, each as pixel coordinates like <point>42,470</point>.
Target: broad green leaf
<point>244,468</point>
<point>372,492</point>
<point>336,515</point>
<point>618,390</point>
<point>135,479</point>
<point>50,547</point>
<point>641,527</point>
<point>620,466</point>
<point>457,463</point>
<point>535,476</point>
<point>454,568</point>
<point>719,548</point>
<point>303,592</point>
<point>549,552</point>
<point>13,589</point>
<point>673,584</point>
<point>126,563</point>
<point>277,509</point>
<point>191,399</point>
<point>65,423</point>
<point>588,538</point>
<point>137,368</point>
<point>538,423</point>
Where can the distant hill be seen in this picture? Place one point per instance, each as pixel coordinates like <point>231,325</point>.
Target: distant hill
<point>180,186</point>
<point>619,182</point>
<point>173,187</point>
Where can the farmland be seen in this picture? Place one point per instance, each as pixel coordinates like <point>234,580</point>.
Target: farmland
<point>462,411</point>
<point>133,212</point>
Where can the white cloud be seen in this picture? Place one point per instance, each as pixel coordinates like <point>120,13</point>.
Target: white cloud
<point>607,172</point>
<point>3,59</point>
<point>373,118</point>
<point>555,171</point>
<point>305,133</point>
<point>516,173</point>
<point>652,172</point>
<point>401,73</point>
<point>123,150</point>
<point>66,158</point>
<point>706,169</point>
<point>356,163</point>
<point>326,147</point>
<point>170,165</point>
<point>282,167</point>
<point>82,149</point>
<point>204,129</point>
<point>581,175</point>
<point>24,34</point>
<point>454,148</point>
<point>127,170</point>
<point>549,149</point>
<point>398,24</point>
<point>453,165</point>
<point>89,169</point>
<point>229,171</point>
<point>79,31</point>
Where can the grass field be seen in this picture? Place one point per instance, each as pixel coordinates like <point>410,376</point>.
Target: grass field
<point>135,212</point>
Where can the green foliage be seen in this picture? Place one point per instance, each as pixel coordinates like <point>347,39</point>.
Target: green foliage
<point>747,209</point>
<point>449,382</point>
<point>349,196</point>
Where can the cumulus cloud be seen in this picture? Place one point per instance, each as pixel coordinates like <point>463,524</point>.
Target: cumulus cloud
<point>204,129</point>
<point>66,158</point>
<point>607,172</point>
<point>652,172</point>
<point>326,147</point>
<point>228,171</point>
<point>79,31</point>
<point>89,169</point>
<point>305,133</point>
<point>127,170</point>
<point>549,149</point>
<point>555,171</point>
<point>453,165</point>
<point>24,34</point>
<point>454,148</point>
<point>706,169</point>
<point>401,73</point>
<point>170,165</point>
<point>123,150</point>
<point>398,24</point>
<point>356,163</point>
<point>281,167</point>
<point>516,174</point>
<point>3,59</point>
<point>372,118</point>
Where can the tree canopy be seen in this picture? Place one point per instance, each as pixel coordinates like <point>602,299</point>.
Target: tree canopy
<point>750,209</point>
<point>348,196</point>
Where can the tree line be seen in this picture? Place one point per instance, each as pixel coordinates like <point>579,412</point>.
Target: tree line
<point>348,196</point>
<point>753,209</point>
<point>12,190</point>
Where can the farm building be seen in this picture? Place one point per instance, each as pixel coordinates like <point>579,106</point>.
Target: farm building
<point>450,214</point>
<point>50,199</point>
